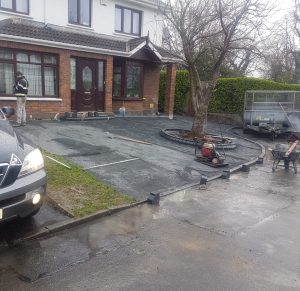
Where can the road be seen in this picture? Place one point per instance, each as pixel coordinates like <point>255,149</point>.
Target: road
<point>240,234</point>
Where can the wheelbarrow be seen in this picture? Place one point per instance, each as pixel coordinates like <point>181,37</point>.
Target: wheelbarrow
<point>287,154</point>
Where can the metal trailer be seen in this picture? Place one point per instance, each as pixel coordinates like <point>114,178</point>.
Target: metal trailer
<point>272,112</point>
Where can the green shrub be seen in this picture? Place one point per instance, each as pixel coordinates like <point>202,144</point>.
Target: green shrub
<point>181,90</point>
<point>228,96</point>
<point>162,91</point>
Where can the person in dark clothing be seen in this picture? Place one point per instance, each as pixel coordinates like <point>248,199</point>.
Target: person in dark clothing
<point>21,91</point>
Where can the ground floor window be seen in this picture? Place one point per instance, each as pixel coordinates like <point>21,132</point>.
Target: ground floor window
<point>39,69</point>
<point>128,80</point>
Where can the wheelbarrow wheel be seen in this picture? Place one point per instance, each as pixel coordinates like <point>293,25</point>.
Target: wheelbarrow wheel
<point>295,167</point>
<point>286,164</point>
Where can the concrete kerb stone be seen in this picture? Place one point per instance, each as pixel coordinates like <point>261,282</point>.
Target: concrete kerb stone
<point>59,207</point>
<point>72,222</point>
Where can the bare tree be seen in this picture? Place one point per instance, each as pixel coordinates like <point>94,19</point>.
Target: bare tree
<point>297,30</point>
<point>279,52</point>
<point>297,17</point>
<point>205,32</point>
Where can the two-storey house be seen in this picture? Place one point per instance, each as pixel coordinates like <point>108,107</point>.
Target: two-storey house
<point>84,55</point>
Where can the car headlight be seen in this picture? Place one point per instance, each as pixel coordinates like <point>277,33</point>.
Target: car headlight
<point>33,162</point>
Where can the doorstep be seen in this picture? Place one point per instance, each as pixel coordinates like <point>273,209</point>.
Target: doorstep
<point>87,115</point>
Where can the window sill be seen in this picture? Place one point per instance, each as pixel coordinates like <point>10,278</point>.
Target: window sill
<point>128,99</point>
<point>80,27</point>
<point>16,14</point>
<point>45,99</point>
<point>126,35</point>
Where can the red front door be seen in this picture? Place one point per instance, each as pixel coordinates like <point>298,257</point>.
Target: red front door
<point>88,92</point>
<point>86,85</point>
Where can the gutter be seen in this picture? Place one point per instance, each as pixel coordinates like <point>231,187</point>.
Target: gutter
<point>148,3</point>
<point>171,60</point>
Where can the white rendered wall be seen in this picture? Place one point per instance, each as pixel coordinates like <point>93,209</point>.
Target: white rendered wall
<point>103,16</point>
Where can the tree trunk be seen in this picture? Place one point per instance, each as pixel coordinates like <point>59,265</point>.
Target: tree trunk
<point>201,95</point>
<point>200,122</point>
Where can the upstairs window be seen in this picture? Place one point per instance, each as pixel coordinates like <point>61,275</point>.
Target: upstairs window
<point>128,20</point>
<point>18,6</point>
<point>80,12</point>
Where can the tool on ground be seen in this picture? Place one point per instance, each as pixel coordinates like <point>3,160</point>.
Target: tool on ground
<point>207,154</point>
<point>58,162</point>
<point>110,135</point>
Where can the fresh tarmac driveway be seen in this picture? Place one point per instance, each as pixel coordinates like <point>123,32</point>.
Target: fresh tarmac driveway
<point>160,166</point>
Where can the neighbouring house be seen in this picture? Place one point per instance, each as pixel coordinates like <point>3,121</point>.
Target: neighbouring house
<point>84,55</point>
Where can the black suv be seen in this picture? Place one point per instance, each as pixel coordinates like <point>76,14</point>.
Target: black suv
<point>22,174</point>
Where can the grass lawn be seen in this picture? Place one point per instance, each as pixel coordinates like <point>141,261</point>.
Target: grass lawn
<point>78,191</point>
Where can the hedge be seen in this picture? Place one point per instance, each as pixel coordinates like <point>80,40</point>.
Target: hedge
<point>228,96</point>
<point>181,90</point>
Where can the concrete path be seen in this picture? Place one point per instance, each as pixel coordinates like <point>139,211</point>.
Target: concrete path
<point>241,234</point>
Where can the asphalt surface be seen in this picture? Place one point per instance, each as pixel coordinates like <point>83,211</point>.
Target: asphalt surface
<point>15,229</point>
<point>161,166</point>
<point>240,234</point>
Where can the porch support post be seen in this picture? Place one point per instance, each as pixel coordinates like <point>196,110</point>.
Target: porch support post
<point>108,84</point>
<point>170,90</point>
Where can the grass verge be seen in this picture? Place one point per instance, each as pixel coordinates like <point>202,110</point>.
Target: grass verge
<point>78,191</point>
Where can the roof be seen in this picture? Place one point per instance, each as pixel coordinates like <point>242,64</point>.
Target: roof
<point>29,31</point>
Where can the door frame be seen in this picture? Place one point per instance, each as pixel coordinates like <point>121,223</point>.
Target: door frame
<point>99,103</point>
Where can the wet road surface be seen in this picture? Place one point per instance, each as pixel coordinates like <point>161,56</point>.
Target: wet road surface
<point>240,234</point>
<point>16,229</point>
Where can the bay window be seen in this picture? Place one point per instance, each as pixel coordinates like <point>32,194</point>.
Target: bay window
<point>39,69</point>
<point>128,80</point>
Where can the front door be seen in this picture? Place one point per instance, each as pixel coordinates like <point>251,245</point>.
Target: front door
<point>86,85</point>
<point>88,93</point>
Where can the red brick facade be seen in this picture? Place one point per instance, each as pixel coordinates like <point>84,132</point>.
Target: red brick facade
<point>48,109</point>
<point>149,103</point>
